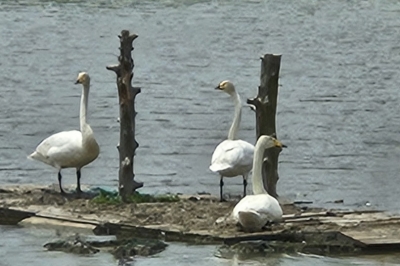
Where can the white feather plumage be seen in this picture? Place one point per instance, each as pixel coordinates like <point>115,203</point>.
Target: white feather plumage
<point>70,149</point>
<point>232,157</point>
<point>254,211</point>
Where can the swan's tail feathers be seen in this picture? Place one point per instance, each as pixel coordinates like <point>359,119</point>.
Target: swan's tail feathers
<point>37,156</point>
<point>32,155</point>
<point>218,167</point>
<point>213,168</point>
<point>250,220</point>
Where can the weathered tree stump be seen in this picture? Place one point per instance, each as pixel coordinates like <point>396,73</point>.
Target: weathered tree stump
<point>127,94</point>
<point>265,107</point>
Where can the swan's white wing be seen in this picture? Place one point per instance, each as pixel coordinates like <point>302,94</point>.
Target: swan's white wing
<point>59,141</point>
<point>265,205</point>
<point>70,148</point>
<point>59,149</point>
<point>232,154</point>
<point>251,221</point>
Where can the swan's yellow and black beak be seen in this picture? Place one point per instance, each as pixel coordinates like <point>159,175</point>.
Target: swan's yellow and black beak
<point>279,144</point>
<point>223,85</point>
<point>77,81</point>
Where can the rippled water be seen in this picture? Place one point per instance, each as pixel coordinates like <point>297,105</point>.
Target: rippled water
<point>23,246</point>
<point>338,102</point>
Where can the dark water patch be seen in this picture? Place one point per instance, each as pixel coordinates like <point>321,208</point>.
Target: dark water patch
<point>326,100</point>
<point>159,174</point>
<point>345,155</point>
<point>329,168</point>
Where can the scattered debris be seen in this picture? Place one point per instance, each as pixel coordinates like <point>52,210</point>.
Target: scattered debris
<point>73,245</point>
<point>123,249</point>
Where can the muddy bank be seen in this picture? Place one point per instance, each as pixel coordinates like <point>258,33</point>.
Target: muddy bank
<point>191,212</point>
<point>202,219</point>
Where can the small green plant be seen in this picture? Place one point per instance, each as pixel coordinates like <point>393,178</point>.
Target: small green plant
<point>107,197</point>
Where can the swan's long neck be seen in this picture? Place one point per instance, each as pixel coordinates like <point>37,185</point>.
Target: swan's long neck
<point>233,131</point>
<point>258,184</point>
<point>84,106</point>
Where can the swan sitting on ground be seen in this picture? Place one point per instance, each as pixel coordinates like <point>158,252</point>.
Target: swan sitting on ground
<point>232,157</point>
<point>254,211</point>
<point>70,149</point>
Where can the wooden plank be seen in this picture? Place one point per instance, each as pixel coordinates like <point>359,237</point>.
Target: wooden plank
<point>303,215</point>
<point>376,239</point>
<point>67,219</point>
<point>383,241</point>
<point>327,214</point>
<point>303,220</point>
<point>46,222</point>
<point>165,232</point>
<point>266,236</point>
<point>13,217</point>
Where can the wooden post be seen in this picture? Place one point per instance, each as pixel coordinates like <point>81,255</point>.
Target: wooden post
<point>265,107</point>
<point>127,94</point>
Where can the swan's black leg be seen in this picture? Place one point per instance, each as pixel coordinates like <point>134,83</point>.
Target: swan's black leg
<point>221,184</point>
<point>59,182</point>
<point>78,181</point>
<point>244,186</point>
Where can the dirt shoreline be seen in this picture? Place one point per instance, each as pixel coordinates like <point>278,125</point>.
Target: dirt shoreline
<point>191,212</point>
<point>203,219</point>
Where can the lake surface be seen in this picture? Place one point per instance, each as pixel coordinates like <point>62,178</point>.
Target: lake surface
<point>338,109</point>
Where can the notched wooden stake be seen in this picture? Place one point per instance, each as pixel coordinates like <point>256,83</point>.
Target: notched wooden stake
<point>126,95</point>
<point>265,107</point>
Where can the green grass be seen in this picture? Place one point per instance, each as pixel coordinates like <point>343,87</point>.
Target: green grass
<point>106,197</point>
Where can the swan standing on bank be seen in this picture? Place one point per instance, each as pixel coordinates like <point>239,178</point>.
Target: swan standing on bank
<point>254,211</point>
<point>71,149</point>
<point>232,157</point>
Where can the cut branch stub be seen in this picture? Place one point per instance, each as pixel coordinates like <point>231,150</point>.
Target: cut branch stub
<point>115,68</point>
<point>265,104</point>
<point>126,95</point>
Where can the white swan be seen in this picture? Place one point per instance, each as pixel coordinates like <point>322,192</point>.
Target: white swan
<point>70,149</point>
<point>232,157</point>
<point>254,211</point>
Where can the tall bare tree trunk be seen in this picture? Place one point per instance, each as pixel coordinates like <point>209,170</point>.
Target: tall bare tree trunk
<point>127,94</point>
<point>266,103</point>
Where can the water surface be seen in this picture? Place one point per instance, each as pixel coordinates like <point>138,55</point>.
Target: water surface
<point>337,109</point>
